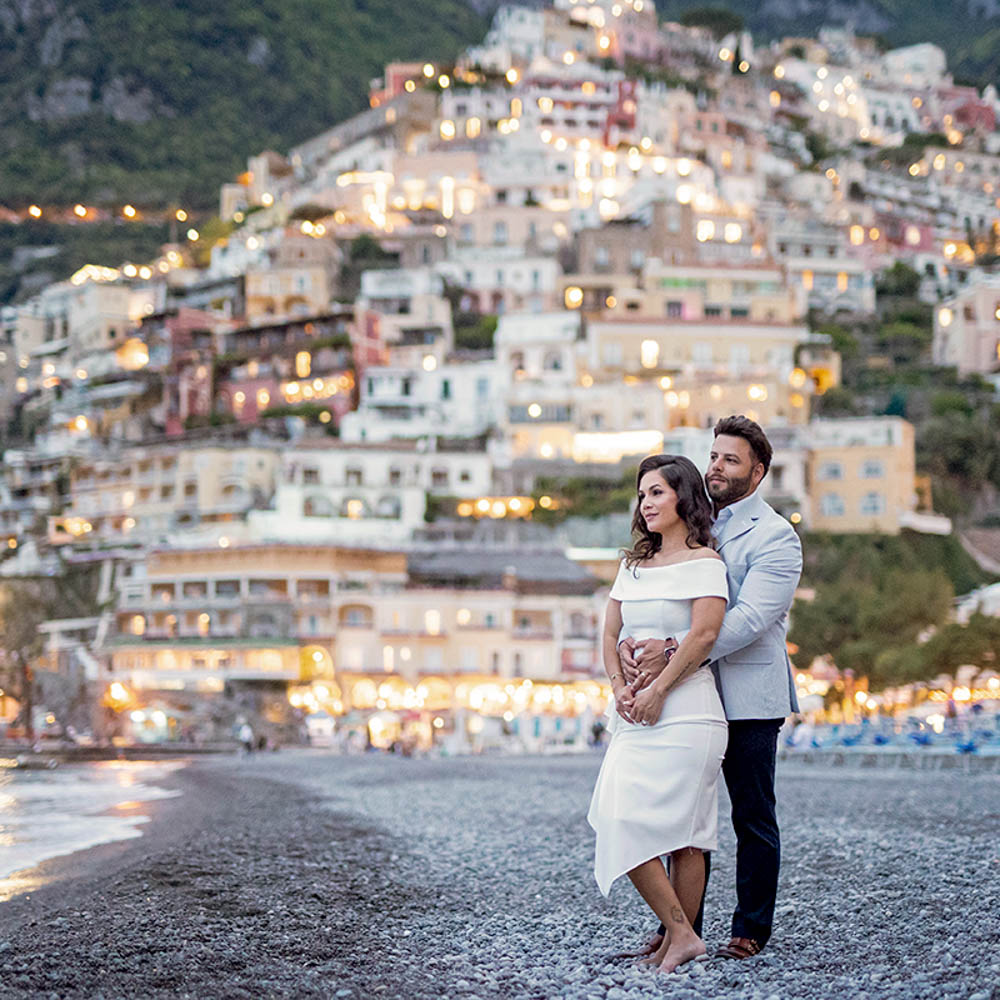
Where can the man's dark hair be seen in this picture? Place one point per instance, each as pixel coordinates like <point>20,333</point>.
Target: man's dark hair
<point>751,432</point>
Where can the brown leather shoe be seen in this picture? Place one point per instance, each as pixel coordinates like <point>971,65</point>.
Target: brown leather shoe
<point>739,947</point>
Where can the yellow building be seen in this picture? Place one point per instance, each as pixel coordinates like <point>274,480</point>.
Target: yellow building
<point>861,475</point>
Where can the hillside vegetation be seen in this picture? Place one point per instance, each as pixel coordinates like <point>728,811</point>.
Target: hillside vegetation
<point>160,101</point>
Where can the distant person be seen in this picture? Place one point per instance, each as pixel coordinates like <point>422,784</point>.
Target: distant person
<point>763,560</point>
<point>657,792</point>
<point>246,737</point>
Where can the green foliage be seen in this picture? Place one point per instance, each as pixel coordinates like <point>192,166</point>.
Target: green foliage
<point>838,401</point>
<point>719,20</point>
<point>107,243</point>
<point>584,496</point>
<point>474,332</point>
<point>818,146</point>
<point>223,80</point>
<point>900,279</point>
<point>948,649</point>
<point>874,596</point>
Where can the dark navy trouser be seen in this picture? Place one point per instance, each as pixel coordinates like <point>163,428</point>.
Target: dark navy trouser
<point>748,768</point>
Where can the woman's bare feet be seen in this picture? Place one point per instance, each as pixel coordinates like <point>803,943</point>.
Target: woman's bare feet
<point>654,959</point>
<point>682,947</point>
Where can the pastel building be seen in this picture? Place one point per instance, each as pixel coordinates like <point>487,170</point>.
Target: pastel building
<point>967,328</point>
<point>861,475</point>
<point>354,619</point>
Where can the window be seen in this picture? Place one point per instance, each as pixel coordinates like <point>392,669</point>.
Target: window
<point>395,476</point>
<point>500,234</point>
<point>353,476</point>
<point>636,259</point>
<point>602,260</point>
<point>317,506</point>
<point>872,469</point>
<point>873,503</point>
<point>832,505</point>
<point>310,476</point>
<point>446,389</point>
<point>675,310</point>
<point>439,479</point>
<point>830,470</point>
<point>713,311</point>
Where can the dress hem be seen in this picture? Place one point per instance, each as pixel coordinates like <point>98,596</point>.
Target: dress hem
<point>659,854</point>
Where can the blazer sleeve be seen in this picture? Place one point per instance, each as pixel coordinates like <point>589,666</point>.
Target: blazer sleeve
<point>765,596</point>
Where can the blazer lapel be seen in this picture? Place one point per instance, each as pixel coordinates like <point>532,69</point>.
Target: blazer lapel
<point>741,523</point>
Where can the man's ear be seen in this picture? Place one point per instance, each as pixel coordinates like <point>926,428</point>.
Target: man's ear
<point>758,474</point>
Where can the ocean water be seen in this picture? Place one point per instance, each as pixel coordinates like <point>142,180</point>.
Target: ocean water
<point>46,814</point>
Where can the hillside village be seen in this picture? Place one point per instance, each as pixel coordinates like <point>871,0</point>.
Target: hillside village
<point>309,456</point>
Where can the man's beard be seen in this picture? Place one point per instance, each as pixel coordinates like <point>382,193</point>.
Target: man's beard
<point>735,489</point>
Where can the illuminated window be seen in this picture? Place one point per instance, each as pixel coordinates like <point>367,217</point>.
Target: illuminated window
<point>649,353</point>
<point>138,625</point>
<point>303,364</point>
<point>204,623</point>
<point>432,621</point>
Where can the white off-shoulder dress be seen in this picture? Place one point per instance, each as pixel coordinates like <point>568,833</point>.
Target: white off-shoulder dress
<point>658,788</point>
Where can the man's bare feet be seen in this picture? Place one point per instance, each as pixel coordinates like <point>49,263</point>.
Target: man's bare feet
<point>682,948</point>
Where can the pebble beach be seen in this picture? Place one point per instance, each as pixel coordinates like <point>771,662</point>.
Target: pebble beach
<point>303,874</point>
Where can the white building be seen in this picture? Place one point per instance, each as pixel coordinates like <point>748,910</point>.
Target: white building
<point>458,398</point>
<point>373,494</point>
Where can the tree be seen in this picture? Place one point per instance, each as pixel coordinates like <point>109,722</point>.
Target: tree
<point>900,279</point>
<point>23,607</point>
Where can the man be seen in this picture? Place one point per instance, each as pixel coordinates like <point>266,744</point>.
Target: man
<point>763,559</point>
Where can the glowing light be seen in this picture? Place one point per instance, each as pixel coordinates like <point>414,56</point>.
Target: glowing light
<point>193,235</point>
<point>573,297</point>
<point>534,411</point>
<point>34,211</point>
<point>444,81</point>
<point>513,76</point>
<point>428,70</point>
<point>796,518</point>
<point>705,230</point>
<point>945,316</point>
<point>429,363</point>
<point>733,232</point>
<point>180,215</point>
<point>129,212</point>
<point>447,130</point>
<point>267,199</point>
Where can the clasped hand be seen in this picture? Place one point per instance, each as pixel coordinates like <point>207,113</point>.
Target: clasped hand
<point>638,701</point>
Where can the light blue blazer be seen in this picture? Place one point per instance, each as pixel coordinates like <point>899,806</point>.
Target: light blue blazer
<point>763,559</point>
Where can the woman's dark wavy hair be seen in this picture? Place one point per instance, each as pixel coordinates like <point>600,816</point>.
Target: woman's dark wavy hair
<point>693,506</point>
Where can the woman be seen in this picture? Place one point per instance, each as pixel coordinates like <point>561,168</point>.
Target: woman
<point>657,793</point>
